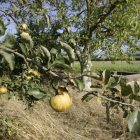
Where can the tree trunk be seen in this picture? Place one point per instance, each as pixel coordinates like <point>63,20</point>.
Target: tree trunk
<point>87,80</point>
<point>86,65</point>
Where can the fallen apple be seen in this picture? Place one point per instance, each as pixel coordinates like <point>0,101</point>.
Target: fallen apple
<point>61,102</point>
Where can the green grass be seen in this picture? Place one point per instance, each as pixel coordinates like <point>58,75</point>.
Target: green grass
<point>117,66</point>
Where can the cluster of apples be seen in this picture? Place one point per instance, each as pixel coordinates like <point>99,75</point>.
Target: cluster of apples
<point>23,28</point>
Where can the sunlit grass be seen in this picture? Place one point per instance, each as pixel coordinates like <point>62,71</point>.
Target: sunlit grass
<point>117,66</point>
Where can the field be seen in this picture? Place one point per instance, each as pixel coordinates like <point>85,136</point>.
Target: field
<point>83,121</point>
<point>117,66</point>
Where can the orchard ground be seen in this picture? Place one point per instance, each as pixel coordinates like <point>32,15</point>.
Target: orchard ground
<point>83,121</point>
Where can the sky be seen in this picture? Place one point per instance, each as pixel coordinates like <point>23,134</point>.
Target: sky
<point>11,29</point>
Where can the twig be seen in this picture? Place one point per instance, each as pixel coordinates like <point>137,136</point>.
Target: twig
<point>98,95</point>
<point>9,14</point>
<point>18,54</point>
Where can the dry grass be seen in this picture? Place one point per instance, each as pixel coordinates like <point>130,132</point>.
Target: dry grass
<point>83,121</point>
<point>38,124</point>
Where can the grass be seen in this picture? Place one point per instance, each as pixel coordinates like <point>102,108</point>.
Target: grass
<point>117,66</point>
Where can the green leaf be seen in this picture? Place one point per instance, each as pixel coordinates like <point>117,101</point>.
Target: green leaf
<point>125,89</point>
<point>63,61</point>
<point>9,57</point>
<point>53,90</point>
<point>47,18</point>
<point>136,87</point>
<point>63,64</point>
<point>23,49</point>
<point>87,97</point>
<point>20,2</point>
<point>14,7</point>
<point>33,85</point>
<point>98,85</point>
<point>134,97</point>
<point>27,39</point>
<point>47,53</point>
<point>17,13</point>
<point>53,50</point>
<point>134,121</point>
<point>25,2</point>
<point>113,81</point>
<point>92,75</point>
<point>23,90</point>
<point>33,11</point>
<point>35,92</point>
<point>2,27</point>
<point>80,84</point>
<point>116,91</point>
<point>68,50</point>
<point>7,43</point>
<point>105,76</point>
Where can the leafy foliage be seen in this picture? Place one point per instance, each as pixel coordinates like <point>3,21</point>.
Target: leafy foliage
<point>10,58</point>
<point>53,37</point>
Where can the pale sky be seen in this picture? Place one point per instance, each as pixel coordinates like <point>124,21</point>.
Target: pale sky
<point>11,29</point>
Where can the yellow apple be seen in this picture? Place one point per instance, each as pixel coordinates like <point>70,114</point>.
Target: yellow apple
<point>61,102</point>
<point>3,90</point>
<point>24,33</point>
<point>24,26</point>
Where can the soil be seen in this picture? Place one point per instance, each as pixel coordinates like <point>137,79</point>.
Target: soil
<point>83,121</point>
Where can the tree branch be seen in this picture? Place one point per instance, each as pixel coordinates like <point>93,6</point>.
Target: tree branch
<point>102,18</point>
<point>9,14</point>
<point>80,13</point>
<point>34,62</point>
<point>114,101</point>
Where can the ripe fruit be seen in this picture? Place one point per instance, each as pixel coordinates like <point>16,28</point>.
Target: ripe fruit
<point>61,102</point>
<point>36,73</point>
<point>24,33</point>
<point>3,90</point>
<point>30,71</point>
<point>24,26</point>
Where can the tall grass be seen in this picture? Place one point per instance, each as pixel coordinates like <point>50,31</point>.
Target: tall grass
<point>117,66</point>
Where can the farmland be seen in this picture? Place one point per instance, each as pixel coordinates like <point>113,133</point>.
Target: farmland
<point>116,66</point>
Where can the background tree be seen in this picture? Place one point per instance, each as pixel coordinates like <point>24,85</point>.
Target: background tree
<point>98,24</point>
